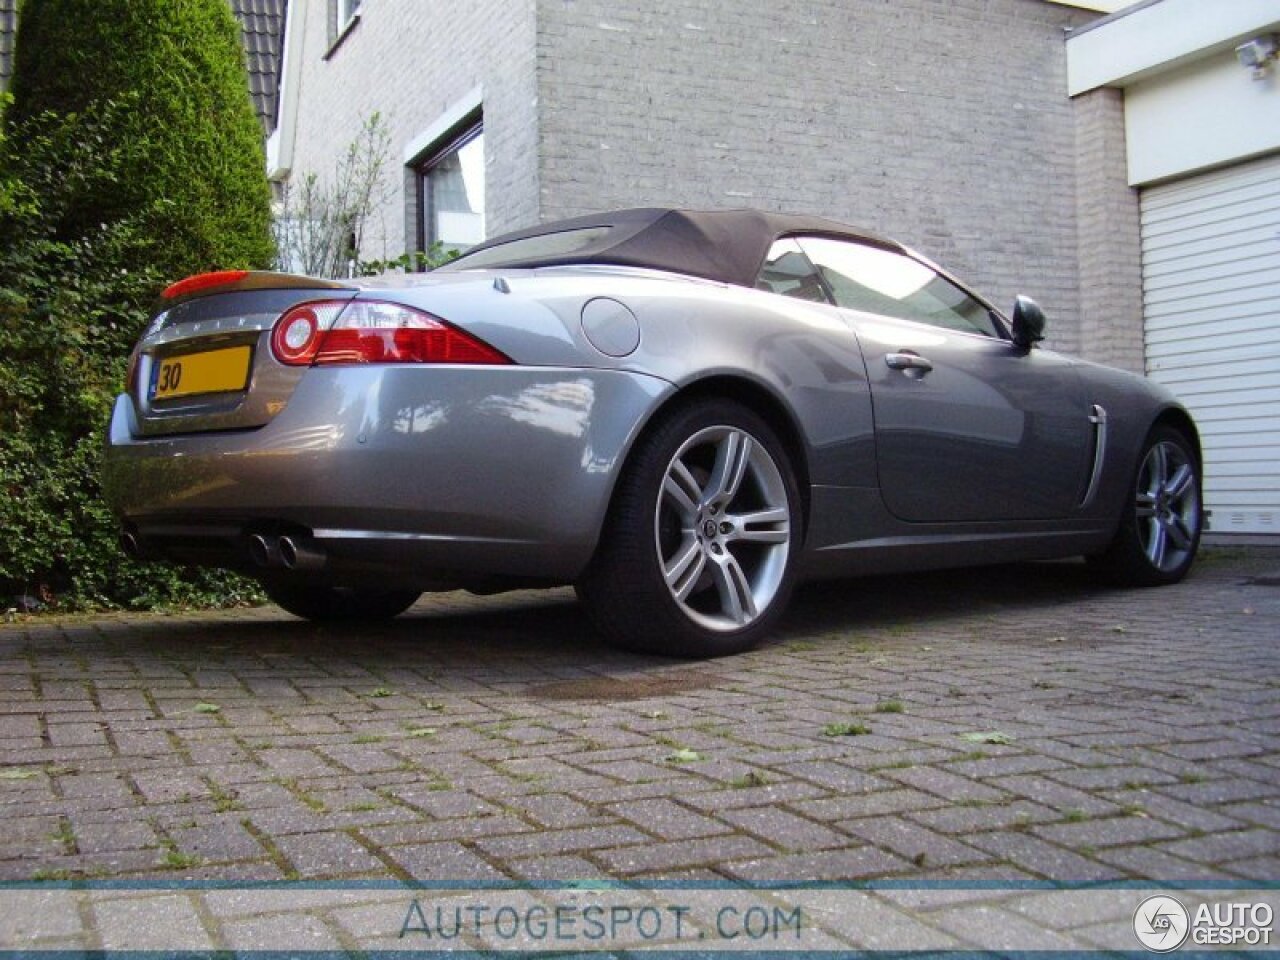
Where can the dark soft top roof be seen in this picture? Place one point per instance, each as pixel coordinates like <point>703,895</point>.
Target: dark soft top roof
<point>724,245</point>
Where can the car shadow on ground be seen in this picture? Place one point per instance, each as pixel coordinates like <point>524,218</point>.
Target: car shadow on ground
<point>546,634</point>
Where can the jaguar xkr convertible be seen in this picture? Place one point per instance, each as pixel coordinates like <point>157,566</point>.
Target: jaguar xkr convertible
<point>680,413</point>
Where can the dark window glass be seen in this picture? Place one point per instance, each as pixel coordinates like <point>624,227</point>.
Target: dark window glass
<point>875,280</point>
<point>789,272</point>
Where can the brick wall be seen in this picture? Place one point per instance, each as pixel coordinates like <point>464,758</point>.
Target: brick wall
<point>943,124</point>
<point>411,60</point>
<point>1109,235</point>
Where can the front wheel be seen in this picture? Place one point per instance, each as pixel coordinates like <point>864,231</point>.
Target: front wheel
<point>1160,525</point>
<point>697,558</point>
<point>328,604</point>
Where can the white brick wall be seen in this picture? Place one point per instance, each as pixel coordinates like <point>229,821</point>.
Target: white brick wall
<point>411,60</point>
<point>942,123</point>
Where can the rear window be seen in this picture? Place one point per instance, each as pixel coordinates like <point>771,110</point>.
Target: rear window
<point>530,250</point>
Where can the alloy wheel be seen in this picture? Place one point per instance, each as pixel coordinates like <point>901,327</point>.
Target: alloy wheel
<point>722,528</point>
<point>1168,505</point>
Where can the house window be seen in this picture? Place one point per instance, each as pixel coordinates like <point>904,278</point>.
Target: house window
<point>343,16</point>
<point>451,191</point>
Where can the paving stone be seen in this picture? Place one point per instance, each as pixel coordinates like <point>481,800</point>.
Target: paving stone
<point>1039,857</point>
<point>1223,848</point>
<point>1107,832</point>
<point>784,829</point>
<point>672,855</point>
<point>912,841</point>
<point>560,841</point>
<point>975,819</point>
<point>668,820</point>
<point>443,861</point>
<point>1113,772</point>
<point>328,855</point>
<point>850,864</point>
<point>944,783</point>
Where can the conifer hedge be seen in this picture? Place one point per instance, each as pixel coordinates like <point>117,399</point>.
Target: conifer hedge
<point>130,156</point>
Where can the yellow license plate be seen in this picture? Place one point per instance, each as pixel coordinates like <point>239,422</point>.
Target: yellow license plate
<point>213,371</point>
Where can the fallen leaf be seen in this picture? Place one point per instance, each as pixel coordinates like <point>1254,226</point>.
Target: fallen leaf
<point>18,774</point>
<point>990,736</point>
<point>684,755</point>
<point>422,732</point>
<point>207,708</point>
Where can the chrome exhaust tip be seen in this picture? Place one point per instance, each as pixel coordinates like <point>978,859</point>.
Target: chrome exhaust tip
<point>264,551</point>
<point>301,554</point>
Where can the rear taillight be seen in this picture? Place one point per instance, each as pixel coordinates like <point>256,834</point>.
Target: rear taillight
<point>371,331</point>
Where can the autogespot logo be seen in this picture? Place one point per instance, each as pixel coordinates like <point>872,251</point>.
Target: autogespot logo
<point>1161,923</point>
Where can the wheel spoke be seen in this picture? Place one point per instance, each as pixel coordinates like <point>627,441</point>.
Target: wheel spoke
<point>689,551</point>
<point>1182,480</point>
<point>1159,468</point>
<point>1180,533</point>
<point>1157,544</point>
<point>736,599</point>
<point>681,488</point>
<point>762,526</point>
<point>1146,505</point>
<point>733,455</point>
<point>683,575</point>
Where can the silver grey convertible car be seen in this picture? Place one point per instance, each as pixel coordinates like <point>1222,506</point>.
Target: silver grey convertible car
<point>681,413</point>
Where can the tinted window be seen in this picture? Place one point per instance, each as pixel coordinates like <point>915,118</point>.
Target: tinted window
<point>789,272</point>
<point>876,280</point>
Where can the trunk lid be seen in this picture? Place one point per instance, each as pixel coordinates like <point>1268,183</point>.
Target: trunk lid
<point>205,361</point>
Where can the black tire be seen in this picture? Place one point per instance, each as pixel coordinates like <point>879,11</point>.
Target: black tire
<point>731,545</point>
<point>330,604</point>
<point>1162,518</point>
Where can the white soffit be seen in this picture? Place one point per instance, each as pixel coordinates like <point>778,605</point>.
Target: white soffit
<point>1157,35</point>
<point>1102,6</point>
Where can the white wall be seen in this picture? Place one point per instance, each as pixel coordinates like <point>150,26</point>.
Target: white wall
<point>1189,105</point>
<point>1198,116</point>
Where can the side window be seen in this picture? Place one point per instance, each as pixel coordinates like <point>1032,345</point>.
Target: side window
<point>789,272</point>
<point>875,280</point>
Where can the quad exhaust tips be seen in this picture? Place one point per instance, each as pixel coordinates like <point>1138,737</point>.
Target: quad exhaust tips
<point>265,551</point>
<point>291,553</point>
<point>298,553</point>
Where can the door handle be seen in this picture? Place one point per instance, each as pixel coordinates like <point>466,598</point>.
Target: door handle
<point>906,360</point>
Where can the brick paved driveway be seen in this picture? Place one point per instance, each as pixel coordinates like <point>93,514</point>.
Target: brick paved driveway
<point>1007,723</point>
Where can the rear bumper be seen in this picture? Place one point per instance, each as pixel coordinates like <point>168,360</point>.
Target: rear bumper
<point>412,475</point>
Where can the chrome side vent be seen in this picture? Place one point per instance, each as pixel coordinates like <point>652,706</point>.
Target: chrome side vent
<point>1099,420</point>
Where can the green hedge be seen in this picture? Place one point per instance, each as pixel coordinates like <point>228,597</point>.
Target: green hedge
<point>130,156</point>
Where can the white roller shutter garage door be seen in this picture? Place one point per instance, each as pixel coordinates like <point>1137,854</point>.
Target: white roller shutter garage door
<point>1211,281</point>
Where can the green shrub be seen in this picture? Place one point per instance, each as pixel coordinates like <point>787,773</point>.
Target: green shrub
<point>109,188</point>
<point>186,140</point>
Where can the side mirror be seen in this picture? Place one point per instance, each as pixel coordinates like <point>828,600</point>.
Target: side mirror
<point>1028,323</point>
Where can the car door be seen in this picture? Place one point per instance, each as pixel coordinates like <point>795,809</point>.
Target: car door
<point>969,427</point>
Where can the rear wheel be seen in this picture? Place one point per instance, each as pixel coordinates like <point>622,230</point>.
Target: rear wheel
<point>698,553</point>
<point>327,604</point>
<point>1160,526</point>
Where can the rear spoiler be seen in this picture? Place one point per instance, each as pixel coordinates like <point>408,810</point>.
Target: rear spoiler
<point>228,281</point>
